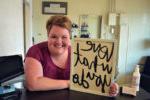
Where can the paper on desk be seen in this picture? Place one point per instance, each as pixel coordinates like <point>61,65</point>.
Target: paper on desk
<point>129,90</point>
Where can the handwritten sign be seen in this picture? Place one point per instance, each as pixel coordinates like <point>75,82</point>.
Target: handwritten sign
<point>93,65</point>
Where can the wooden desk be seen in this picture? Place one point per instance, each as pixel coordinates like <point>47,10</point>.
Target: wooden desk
<point>74,95</point>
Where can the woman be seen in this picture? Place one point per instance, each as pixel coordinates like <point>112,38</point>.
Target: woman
<point>47,64</point>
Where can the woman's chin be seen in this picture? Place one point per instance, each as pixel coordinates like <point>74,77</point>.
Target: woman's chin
<point>59,52</point>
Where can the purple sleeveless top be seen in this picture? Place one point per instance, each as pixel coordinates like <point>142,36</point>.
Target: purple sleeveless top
<point>40,52</point>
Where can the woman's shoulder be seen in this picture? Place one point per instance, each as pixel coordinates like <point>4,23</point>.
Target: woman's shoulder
<point>41,44</point>
<point>37,49</point>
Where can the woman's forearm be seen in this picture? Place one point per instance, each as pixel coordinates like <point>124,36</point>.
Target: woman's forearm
<point>43,83</point>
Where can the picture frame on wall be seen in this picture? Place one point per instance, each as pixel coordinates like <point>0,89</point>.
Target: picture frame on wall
<point>49,7</point>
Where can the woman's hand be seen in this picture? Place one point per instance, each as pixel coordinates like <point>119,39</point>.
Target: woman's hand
<point>114,89</point>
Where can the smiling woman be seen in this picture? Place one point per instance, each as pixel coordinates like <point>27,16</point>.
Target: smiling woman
<point>58,40</point>
<point>47,64</point>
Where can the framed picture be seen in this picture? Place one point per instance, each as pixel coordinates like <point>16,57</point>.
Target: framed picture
<point>49,7</point>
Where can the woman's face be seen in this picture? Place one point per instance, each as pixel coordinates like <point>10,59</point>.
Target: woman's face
<point>58,40</point>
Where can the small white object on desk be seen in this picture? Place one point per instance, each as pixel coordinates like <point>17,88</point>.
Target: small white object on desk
<point>18,85</point>
<point>128,90</point>
<point>136,78</point>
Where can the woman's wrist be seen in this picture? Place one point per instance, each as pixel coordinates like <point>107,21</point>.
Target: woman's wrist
<point>65,83</point>
<point>68,83</point>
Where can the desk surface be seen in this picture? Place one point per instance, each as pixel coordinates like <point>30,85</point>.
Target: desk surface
<point>74,95</point>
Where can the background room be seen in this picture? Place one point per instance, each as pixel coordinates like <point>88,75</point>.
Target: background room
<point>23,24</point>
<point>131,29</point>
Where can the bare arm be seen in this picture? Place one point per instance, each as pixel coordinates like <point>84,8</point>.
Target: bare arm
<point>35,81</point>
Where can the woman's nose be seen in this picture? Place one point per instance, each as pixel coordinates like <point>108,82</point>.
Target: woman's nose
<point>59,40</point>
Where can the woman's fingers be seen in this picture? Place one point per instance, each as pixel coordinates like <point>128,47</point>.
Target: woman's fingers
<point>114,89</point>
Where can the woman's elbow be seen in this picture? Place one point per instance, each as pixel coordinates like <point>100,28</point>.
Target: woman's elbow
<point>31,86</point>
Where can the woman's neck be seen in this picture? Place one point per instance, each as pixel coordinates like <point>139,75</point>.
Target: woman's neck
<point>60,60</point>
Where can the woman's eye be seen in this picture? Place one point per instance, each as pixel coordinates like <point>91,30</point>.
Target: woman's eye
<point>53,37</point>
<point>64,37</point>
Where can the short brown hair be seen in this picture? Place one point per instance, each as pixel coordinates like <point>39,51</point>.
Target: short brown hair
<point>58,20</point>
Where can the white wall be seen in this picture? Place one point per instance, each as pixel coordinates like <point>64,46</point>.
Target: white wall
<point>134,35</point>
<point>11,27</point>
